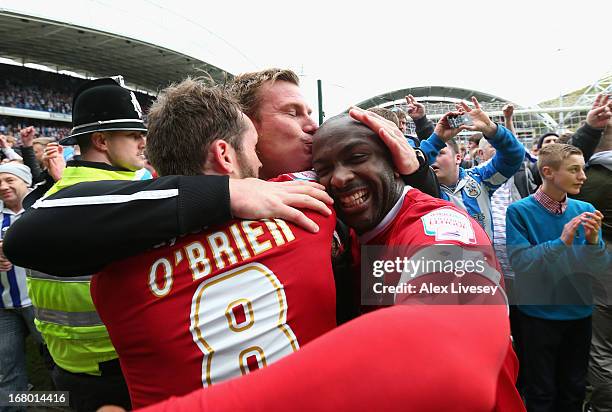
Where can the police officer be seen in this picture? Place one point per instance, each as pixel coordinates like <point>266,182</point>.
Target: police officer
<point>108,127</point>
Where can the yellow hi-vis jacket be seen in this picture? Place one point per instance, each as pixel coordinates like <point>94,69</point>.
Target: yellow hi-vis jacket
<point>65,314</point>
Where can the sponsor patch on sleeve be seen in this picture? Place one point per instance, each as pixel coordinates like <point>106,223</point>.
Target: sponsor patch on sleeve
<point>449,224</point>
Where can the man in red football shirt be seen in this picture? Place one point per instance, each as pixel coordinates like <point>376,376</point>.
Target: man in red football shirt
<point>418,250</point>
<point>228,300</point>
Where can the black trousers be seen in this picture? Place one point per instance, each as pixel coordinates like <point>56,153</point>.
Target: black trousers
<point>555,356</point>
<point>89,392</point>
<point>515,330</point>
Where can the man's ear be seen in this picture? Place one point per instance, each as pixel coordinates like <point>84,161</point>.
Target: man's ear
<point>458,158</point>
<point>256,123</point>
<point>99,141</point>
<point>546,172</point>
<point>221,158</point>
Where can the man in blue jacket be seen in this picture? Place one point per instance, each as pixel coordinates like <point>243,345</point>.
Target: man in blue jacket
<point>471,189</point>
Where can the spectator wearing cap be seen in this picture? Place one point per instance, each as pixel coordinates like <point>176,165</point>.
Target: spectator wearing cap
<point>109,130</point>
<point>16,312</point>
<point>547,138</point>
<point>543,141</point>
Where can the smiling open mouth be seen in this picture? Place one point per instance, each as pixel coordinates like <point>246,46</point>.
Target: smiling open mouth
<point>354,199</point>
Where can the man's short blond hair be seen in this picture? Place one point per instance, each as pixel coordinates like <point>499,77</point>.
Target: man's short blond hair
<point>245,87</point>
<point>554,154</point>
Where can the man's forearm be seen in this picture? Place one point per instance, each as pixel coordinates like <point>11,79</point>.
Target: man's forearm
<point>424,178</point>
<point>424,127</point>
<point>509,125</point>
<point>29,159</point>
<point>11,154</point>
<point>509,152</point>
<point>86,226</point>
<point>432,147</point>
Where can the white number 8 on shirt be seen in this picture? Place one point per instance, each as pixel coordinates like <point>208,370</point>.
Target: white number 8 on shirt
<point>238,320</point>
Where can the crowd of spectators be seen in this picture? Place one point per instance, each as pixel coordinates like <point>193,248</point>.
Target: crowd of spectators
<point>546,241</point>
<point>34,98</point>
<point>31,89</point>
<point>11,126</point>
<point>555,264</point>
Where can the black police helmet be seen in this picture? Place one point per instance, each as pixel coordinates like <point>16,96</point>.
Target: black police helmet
<point>103,105</point>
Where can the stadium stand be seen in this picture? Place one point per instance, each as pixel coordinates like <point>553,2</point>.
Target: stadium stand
<point>40,91</point>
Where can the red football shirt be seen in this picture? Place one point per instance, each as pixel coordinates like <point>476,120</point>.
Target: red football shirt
<point>216,304</point>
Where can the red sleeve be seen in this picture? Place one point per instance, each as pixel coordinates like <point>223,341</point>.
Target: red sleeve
<point>422,358</point>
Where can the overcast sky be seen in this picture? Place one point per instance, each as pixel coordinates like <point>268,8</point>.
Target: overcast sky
<point>524,51</point>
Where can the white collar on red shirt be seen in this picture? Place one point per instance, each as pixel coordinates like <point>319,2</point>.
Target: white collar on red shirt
<point>367,236</point>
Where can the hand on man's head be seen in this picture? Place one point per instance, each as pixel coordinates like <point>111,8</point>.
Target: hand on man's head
<point>403,155</point>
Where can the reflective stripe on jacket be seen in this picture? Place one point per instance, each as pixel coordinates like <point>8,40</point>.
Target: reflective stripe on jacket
<point>65,314</point>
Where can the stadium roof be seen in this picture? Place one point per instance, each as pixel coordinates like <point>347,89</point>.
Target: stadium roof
<point>443,92</point>
<point>94,53</point>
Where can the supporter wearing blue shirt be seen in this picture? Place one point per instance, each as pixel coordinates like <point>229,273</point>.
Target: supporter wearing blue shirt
<point>471,189</point>
<point>16,311</point>
<point>554,244</point>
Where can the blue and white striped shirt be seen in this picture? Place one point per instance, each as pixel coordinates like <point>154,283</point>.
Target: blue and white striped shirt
<point>13,289</point>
